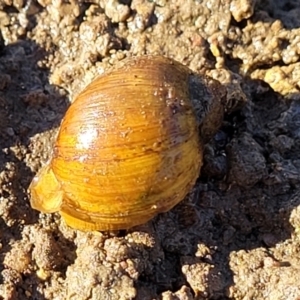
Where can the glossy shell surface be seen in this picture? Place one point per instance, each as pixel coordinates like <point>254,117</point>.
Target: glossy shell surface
<point>128,148</point>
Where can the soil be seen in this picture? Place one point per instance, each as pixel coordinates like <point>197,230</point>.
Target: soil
<point>237,234</point>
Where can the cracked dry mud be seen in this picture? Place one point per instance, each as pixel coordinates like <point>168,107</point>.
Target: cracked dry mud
<point>237,235</point>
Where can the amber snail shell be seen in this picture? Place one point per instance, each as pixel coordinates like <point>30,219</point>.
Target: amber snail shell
<point>128,148</point>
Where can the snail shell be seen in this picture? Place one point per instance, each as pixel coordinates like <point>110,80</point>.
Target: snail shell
<point>128,148</point>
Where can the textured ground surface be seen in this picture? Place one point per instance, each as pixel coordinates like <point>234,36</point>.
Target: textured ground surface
<point>237,236</point>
